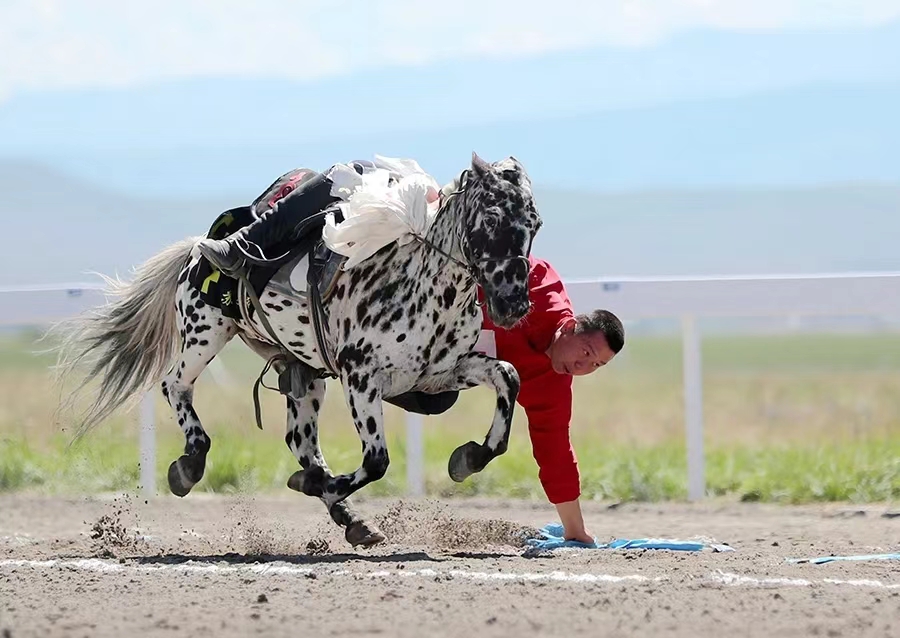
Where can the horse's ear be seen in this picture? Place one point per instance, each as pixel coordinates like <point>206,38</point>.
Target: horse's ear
<point>479,166</point>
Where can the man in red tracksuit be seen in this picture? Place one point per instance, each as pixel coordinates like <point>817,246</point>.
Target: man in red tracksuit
<point>548,348</point>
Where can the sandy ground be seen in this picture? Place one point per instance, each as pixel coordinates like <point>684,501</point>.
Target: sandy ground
<point>276,566</point>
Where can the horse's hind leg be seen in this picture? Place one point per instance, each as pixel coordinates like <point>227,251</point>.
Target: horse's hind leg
<point>302,438</point>
<point>204,332</point>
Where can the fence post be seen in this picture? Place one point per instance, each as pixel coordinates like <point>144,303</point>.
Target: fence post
<point>693,407</point>
<point>415,455</point>
<point>148,444</point>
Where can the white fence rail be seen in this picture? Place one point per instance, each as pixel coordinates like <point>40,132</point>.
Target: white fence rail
<point>689,299</point>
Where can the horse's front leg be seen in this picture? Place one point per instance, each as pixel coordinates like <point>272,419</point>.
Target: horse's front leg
<point>363,396</point>
<point>302,438</point>
<point>473,370</point>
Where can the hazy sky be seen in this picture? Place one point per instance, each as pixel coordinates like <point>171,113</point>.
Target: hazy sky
<point>53,44</point>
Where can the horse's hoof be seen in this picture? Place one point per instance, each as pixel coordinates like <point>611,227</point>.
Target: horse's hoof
<point>184,473</point>
<point>295,482</point>
<point>361,534</point>
<point>461,466</point>
<point>309,482</point>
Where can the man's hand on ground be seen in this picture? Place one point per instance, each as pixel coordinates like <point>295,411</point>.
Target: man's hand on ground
<point>573,522</point>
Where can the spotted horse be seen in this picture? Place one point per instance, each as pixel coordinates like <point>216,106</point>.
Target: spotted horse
<point>405,319</point>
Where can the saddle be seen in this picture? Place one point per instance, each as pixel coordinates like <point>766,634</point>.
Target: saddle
<point>304,249</point>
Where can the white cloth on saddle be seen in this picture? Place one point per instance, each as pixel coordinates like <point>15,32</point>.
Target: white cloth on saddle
<point>378,212</point>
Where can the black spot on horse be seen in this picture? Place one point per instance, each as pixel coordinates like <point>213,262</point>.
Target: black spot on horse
<point>449,296</point>
<point>375,463</point>
<point>350,356</point>
<point>371,425</point>
<point>401,337</point>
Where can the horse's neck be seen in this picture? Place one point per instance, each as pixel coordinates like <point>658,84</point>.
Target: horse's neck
<point>446,266</point>
<point>446,229</point>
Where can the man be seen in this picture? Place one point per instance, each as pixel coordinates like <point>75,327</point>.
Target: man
<point>550,347</point>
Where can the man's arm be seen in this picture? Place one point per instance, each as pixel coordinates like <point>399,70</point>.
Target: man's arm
<point>547,401</point>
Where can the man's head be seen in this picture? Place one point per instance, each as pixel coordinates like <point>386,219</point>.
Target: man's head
<point>586,343</point>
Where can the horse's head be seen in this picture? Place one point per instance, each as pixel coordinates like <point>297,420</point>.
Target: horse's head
<point>500,225</point>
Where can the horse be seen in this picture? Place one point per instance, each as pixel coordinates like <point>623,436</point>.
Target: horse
<point>404,319</point>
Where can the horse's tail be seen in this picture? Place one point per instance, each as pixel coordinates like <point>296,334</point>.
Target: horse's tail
<point>129,342</point>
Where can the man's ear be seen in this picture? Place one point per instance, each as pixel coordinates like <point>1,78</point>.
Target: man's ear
<point>569,326</point>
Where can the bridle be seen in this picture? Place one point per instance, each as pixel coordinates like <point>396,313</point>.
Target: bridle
<point>462,236</point>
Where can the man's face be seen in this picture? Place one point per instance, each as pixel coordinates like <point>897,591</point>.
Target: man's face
<point>579,354</point>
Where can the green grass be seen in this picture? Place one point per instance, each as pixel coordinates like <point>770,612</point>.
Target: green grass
<point>789,419</point>
<point>865,471</point>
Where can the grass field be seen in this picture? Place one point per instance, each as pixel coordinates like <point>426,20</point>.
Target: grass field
<point>791,418</point>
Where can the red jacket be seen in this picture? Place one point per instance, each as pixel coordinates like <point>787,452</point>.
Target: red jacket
<point>545,395</point>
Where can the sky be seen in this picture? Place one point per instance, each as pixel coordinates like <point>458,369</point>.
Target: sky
<point>48,45</point>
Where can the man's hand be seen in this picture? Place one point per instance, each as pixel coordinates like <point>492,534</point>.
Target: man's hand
<point>573,522</point>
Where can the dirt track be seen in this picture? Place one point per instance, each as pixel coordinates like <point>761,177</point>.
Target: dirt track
<point>242,566</point>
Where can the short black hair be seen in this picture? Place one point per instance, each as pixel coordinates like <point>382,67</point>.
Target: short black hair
<point>602,321</point>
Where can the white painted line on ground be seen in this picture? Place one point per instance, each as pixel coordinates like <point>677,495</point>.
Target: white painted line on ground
<point>281,568</point>
<point>98,565</point>
<point>736,580</point>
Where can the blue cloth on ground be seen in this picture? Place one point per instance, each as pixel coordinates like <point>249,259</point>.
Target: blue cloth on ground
<point>830,559</point>
<point>552,537</point>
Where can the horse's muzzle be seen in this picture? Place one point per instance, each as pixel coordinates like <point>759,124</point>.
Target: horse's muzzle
<point>506,312</point>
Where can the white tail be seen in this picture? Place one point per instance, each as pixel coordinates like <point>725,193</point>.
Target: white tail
<point>130,341</point>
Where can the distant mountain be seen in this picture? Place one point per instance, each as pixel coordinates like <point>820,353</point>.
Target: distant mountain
<point>790,137</point>
<point>56,228</point>
<point>703,109</point>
